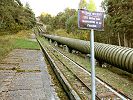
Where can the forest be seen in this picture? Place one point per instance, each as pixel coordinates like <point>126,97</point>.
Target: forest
<point>118,22</point>
<point>16,23</point>
<point>14,17</point>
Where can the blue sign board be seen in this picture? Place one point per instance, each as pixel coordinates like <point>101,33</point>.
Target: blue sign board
<point>90,20</point>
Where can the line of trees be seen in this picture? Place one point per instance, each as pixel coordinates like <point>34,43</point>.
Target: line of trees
<point>67,20</point>
<point>59,21</point>
<point>119,21</point>
<point>15,17</point>
<point>118,27</point>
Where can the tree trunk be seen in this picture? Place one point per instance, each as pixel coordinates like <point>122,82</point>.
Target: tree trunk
<point>109,40</point>
<point>130,44</point>
<point>130,40</point>
<point>125,41</point>
<point>119,39</point>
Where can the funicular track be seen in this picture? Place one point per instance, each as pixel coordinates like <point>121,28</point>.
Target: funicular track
<point>79,78</point>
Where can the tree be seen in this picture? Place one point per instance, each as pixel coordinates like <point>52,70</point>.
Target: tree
<point>91,6</point>
<point>14,17</point>
<point>30,16</point>
<point>121,19</point>
<point>47,20</point>
<point>71,24</point>
<point>59,21</point>
<point>83,4</point>
<point>19,2</point>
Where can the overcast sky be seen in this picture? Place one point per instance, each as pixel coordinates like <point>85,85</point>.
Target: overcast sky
<point>53,7</point>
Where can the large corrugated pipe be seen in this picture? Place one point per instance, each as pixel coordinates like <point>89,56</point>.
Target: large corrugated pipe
<point>121,57</point>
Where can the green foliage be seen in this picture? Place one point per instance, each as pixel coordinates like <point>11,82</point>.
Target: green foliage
<point>120,18</point>
<point>57,22</point>
<point>83,4</point>
<point>91,6</point>
<point>14,17</point>
<point>61,32</point>
<point>5,46</point>
<point>25,44</point>
<point>118,23</point>
<point>46,18</point>
<point>71,23</point>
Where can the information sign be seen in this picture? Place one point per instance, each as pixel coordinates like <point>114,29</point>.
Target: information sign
<point>90,20</point>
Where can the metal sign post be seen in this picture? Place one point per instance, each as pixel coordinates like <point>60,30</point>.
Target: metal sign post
<point>92,65</point>
<point>93,21</point>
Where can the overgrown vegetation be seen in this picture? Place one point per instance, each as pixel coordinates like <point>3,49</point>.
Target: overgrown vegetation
<point>19,40</point>
<point>15,17</point>
<point>118,21</point>
<point>5,45</point>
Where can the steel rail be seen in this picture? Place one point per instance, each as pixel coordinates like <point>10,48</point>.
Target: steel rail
<point>120,95</point>
<point>97,98</point>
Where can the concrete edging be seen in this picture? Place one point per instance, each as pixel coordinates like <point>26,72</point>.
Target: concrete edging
<point>67,87</point>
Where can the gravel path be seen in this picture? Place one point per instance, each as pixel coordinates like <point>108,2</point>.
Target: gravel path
<point>24,76</point>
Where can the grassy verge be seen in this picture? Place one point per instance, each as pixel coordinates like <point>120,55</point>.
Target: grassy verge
<point>20,40</point>
<point>25,44</point>
<point>5,46</point>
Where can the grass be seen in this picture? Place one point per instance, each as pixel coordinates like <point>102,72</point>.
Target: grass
<point>20,40</point>
<point>25,44</point>
<point>5,46</point>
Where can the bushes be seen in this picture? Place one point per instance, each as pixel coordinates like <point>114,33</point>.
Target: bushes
<point>15,17</point>
<point>5,45</point>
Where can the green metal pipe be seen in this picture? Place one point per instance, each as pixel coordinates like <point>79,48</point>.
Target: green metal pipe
<point>121,57</point>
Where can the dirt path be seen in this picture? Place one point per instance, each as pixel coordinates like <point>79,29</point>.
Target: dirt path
<point>24,76</point>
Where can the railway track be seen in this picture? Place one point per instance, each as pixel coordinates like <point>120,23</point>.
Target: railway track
<point>86,91</point>
<point>80,79</point>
